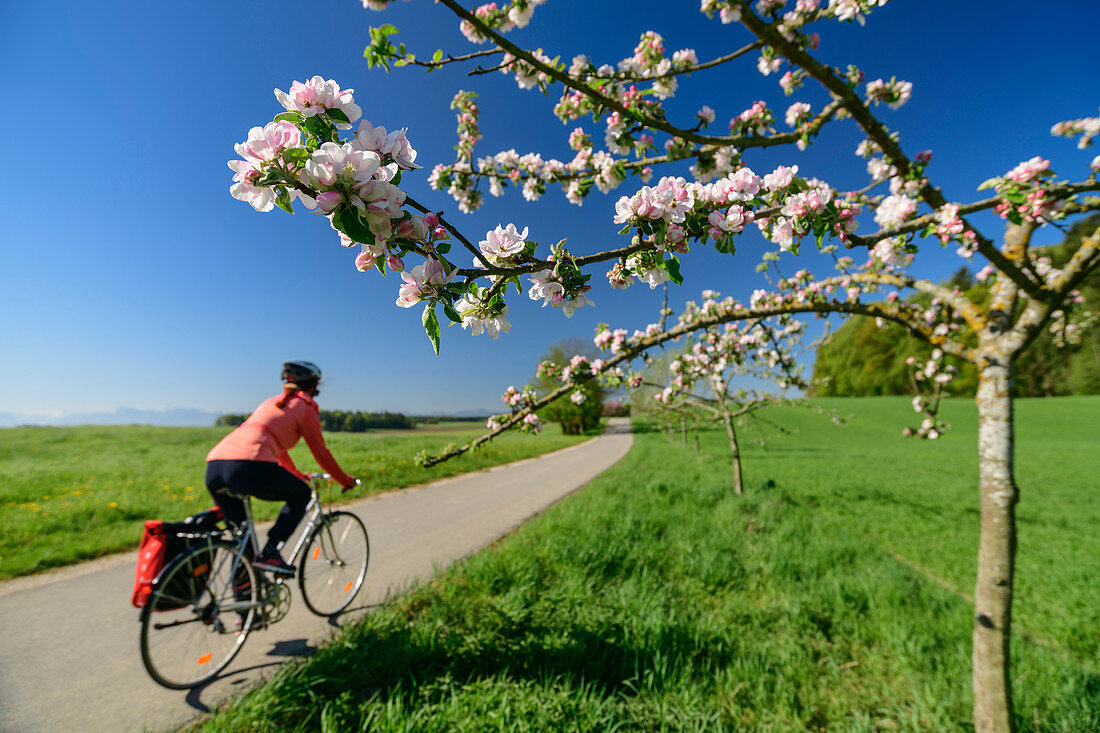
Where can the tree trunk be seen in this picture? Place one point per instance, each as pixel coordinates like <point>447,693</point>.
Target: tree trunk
<point>683,431</point>
<point>735,452</point>
<point>992,683</point>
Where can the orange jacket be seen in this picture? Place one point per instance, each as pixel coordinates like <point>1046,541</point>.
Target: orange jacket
<point>271,431</point>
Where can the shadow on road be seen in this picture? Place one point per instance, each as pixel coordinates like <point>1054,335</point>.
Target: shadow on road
<point>240,679</point>
<point>351,615</point>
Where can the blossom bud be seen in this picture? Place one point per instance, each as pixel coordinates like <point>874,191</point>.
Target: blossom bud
<point>396,263</point>
<point>328,201</point>
<point>364,261</point>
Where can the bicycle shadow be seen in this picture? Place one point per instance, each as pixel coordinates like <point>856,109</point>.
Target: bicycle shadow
<point>239,679</point>
<point>351,615</point>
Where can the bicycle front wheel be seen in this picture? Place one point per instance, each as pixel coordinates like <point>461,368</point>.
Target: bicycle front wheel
<point>334,563</point>
<point>200,611</point>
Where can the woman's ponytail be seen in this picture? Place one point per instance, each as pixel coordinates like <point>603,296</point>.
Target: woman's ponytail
<point>289,390</point>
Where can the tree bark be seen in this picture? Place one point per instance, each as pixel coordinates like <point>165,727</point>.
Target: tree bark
<point>992,682</point>
<point>727,420</point>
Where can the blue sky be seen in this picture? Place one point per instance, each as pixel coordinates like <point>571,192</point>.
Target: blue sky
<point>131,278</point>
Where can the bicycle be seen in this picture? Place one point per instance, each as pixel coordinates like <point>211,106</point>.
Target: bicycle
<point>204,603</point>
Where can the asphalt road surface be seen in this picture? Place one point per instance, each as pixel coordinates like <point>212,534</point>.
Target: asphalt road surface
<point>69,658</point>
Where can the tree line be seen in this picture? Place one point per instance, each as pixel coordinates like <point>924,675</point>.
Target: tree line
<point>340,421</point>
<point>863,358</point>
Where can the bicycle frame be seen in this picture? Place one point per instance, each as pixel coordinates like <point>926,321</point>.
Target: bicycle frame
<point>313,514</point>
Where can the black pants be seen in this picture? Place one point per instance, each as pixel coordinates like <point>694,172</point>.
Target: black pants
<point>267,481</point>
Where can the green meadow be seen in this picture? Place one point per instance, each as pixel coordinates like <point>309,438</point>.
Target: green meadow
<point>74,493</point>
<point>832,596</point>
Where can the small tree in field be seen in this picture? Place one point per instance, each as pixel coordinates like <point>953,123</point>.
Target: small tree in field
<point>701,377</point>
<point>584,407</point>
<point>356,184</point>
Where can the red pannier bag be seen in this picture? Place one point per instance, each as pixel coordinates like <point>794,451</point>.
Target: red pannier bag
<point>161,542</point>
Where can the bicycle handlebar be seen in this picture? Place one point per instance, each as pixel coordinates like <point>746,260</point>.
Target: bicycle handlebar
<point>316,478</point>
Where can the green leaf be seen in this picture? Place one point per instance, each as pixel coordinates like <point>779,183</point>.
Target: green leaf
<point>282,200</point>
<point>438,55</point>
<point>295,155</point>
<point>989,183</point>
<point>672,267</point>
<point>338,115</point>
<point>431,325</point>
<point>346,219</point>
<point>288,117</point>
<point>450,312</point>
<point>443,247</point>
<point>317,126</point>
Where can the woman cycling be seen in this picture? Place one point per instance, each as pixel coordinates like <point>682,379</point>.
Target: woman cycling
<point>253,459</point>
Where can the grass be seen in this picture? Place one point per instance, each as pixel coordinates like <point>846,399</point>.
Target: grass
<point>74,493</point>
<point>829,597</point>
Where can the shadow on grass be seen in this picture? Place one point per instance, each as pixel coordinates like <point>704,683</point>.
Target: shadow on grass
<point>615,663</point>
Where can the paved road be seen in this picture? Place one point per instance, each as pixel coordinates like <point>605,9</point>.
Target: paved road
<point>69,657</point>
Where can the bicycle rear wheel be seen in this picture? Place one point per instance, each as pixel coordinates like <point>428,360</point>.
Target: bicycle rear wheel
<point>200,611</point>
<point>334,563</point>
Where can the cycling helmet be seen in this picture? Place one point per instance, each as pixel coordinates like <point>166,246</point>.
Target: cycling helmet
<point>304,371</point>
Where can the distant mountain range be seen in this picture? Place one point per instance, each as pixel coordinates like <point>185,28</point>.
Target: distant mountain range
<point>180,416</point>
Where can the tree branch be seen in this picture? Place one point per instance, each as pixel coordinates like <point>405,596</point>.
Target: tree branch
<point>879,134</point>
<point>452,59</point>
<point>604,100</point>
<point>720,316</point>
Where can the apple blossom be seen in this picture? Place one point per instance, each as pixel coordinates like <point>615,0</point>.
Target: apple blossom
<point>422,282</point>
<point>317,96</point>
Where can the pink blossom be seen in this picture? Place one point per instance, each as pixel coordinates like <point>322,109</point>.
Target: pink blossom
<point>796,113</point>
<point>545,289</point>
<point>328,201</point>
<point>894,93</point>
<point>894,210</point>
<point>244,188</point>
<point>413,228</point>
<point>787,82</point>
<point>781,177</point>
<point>364,261</point>
<point>266,143</point>
<point>319,95</point>
<point>421,282</point>
<point>503,242</point>
<point>331,163</point>
<point>768,64</point>
<point>730,14</point>
<point>886,252</point>
<point>1028,170</point>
